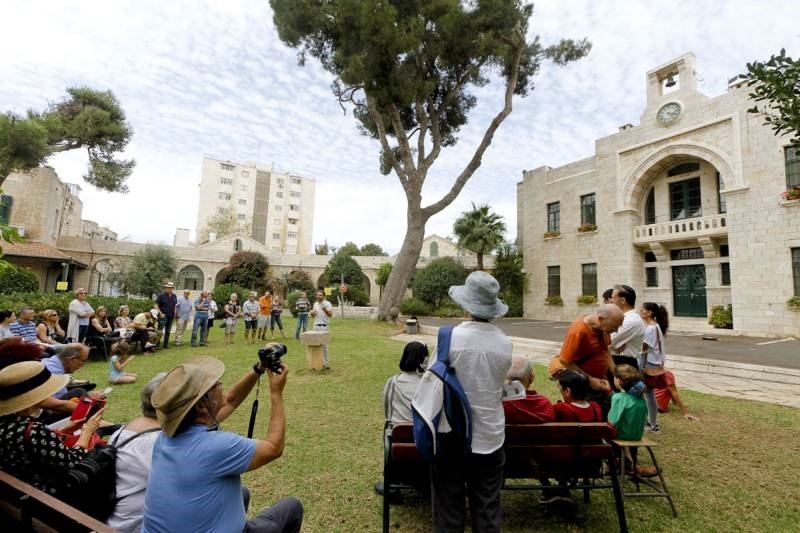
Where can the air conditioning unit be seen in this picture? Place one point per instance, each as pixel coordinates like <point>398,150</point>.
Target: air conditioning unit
<point>20,230</point>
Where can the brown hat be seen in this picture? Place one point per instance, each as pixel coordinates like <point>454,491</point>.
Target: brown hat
<point>25,384</point>
<point>182,388</point>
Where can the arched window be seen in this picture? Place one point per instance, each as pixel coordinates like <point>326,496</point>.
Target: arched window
<point>237,245</point>
<point>434,250</point>
<point>190,277</point>
<point>650,208</point>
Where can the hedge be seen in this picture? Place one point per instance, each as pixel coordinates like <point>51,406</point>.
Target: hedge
<point>60,302</point>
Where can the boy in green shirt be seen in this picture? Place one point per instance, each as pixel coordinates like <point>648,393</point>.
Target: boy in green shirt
<point>629,411</point>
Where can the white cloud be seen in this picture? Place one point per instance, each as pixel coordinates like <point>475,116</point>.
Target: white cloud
<point>213,77</point>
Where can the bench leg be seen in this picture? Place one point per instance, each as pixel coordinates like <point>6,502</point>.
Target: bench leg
<point>663,484</point>
<point>618,502</point>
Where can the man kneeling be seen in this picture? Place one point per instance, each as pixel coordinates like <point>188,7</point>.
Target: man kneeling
<point>194,482</point>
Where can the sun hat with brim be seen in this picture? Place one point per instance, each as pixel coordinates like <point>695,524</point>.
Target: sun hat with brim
<point>169,285</point>
<point>182,388</point>
<point>25,384</point>
<point>478,296</point>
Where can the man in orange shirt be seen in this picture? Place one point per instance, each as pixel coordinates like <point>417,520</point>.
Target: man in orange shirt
<point>265,304</point>
<point>585,349</point>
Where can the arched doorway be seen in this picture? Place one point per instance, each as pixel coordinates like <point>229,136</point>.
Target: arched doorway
<point>106,278</point>
<point>190,277</point>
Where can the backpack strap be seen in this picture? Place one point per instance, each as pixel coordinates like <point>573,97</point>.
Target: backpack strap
<point>443,344</point>
<point>126,441</point>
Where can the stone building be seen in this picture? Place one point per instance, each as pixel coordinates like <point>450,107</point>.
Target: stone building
<point>273,208</point>
<point>687,207</point>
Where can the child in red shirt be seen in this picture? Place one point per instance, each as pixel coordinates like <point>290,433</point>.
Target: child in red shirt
<point>574,387</point>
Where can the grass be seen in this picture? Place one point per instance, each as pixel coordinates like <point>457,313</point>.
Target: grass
<point>737,470</point>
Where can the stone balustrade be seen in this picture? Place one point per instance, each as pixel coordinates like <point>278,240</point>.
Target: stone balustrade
<point>706,226</point>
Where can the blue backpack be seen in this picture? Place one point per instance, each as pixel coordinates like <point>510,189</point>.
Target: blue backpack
<point>427,414</point>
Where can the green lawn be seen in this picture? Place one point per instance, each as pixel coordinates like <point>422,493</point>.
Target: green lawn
<point>737,470</point>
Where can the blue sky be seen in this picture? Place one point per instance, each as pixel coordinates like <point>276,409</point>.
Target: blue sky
<point>212,77</point>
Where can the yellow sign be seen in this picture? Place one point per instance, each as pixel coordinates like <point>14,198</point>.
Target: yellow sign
<point>328,291</point>
<point>62,285</point>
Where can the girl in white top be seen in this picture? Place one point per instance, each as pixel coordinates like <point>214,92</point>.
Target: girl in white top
<point>656,321</point>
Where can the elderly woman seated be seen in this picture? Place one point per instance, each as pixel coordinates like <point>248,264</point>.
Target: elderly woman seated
<point>400,388</point>
<point>29,450</point>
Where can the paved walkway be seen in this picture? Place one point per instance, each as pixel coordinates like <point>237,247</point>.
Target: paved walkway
<point>721,378</point>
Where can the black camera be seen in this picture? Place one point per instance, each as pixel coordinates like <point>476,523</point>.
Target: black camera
<point>270,357</point>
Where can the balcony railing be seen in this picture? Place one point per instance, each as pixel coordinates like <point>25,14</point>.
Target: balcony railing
<point>681,229</point>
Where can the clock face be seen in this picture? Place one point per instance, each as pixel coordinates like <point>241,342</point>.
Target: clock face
<point>668,112</point>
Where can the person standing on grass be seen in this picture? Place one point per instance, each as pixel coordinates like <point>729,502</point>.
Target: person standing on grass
<point>480,355</point>
<point>183,310</point>
<point>275,316</point>
<point>165,303</point>
<point>116,365</point>
<point>264,314</point>
<point>626,343</point>
<point>322,312</point>
<point>656,320</point>
<point>199,328</point>
<point>250,310</point>
<point>302,305</point>
<point>233,310</point>
<point>80,312</point>
<point>212,314</point>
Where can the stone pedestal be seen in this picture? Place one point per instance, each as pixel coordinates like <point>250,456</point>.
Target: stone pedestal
<point>315,342</point>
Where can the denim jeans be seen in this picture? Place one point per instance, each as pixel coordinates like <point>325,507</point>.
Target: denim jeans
<point>302,322</point>
<point>200,324</point>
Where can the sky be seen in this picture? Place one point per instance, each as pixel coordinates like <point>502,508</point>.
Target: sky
<point>211,77</point>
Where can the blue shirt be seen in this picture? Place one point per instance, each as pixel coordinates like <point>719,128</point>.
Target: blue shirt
<point>194,482</point>
<point>27,330</point>
<point>184,308</point>
<point>202,311</point>
<point>54,365</point>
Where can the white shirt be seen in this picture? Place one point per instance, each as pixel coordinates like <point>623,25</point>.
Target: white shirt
<point>133,470</point>
<point>481,355</point>
<point>5,333</point>
<point>628,339</point>
<point>397,395</point>
<point>655,341</point>
<point>322,317</point>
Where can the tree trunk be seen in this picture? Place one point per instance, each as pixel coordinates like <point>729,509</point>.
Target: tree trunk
<point>404,267</point>
<point>480,260</point>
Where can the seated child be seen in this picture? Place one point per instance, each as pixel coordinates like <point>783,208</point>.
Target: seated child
<point>120,358</point>
<point>574,387</point>
<point>629,411</point>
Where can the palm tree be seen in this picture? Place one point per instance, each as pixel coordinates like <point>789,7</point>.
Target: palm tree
<point>479,231</point>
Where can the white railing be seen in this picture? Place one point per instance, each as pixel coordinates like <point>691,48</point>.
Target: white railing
<point>681,229</point>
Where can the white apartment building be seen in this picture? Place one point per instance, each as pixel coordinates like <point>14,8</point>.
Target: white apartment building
<point>274,208</point>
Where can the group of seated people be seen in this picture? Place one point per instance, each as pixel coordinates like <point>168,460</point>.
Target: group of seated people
<point>628,412</point>
<point>175,469</point>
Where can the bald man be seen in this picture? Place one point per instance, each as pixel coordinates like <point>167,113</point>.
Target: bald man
<point>534,408</point>
<point>585,349</point>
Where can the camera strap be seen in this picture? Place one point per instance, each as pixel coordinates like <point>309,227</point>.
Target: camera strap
<point>254,410</point>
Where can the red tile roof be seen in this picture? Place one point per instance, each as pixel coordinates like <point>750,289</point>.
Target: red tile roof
<point>38,250</point>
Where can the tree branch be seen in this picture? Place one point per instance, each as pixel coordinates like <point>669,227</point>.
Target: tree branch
<point>475,162</point>
<point>402,138</point>
<point>422,120</point>
<point>376,117</point>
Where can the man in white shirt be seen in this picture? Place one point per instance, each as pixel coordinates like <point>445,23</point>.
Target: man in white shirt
<point>480,353</point>
<point>626,343</point>
<point>322,311</point>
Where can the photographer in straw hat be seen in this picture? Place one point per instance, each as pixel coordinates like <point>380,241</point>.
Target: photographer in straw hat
<point>28,449</point>
<point>195,480</point>
<point>480,353</point>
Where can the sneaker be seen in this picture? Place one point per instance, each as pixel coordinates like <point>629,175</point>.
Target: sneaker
<point>656,429</point>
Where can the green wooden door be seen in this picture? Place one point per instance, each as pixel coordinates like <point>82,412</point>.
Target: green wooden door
<point>689,290</point>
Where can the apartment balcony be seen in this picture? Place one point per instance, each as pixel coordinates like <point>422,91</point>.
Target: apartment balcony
<point>689,228</point>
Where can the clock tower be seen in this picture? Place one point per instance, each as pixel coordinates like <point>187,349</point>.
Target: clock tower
<point>669,87</point>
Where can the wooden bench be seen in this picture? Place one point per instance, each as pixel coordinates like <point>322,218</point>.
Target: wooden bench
<point>572,452</point>
<point>23,507</point>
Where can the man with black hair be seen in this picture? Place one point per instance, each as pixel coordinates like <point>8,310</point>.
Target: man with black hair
<point>626,343</point>
<point>195,480</point>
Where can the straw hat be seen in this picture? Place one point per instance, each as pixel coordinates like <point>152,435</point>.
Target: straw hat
<point>169,285</point>
<point>182,388</point>
<point>25,384</point>
<point>478,296</point>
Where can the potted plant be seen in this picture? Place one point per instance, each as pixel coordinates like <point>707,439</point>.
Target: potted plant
<point>551,234</point>
<point>793,302</point>
<point>554,300</point>
<point>586,299</point>
<point>584,228</point>
<point>791,194</point>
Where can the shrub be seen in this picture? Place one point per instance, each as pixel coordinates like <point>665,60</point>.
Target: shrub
<point>551,234</point>
<point>60,302</point>
<point>554,300</point>
<point>449,311</point>
<point>222,294</point>
<point>586,299</point>
<point>432,282</point>
<point>291,299</point>
<point>793,302</point>
<point>509,272</point>
<point>17,279</point>
<point>248,269</point>
<point>721,316</point>
<point>584,228</point>
<point>355,295</point>
<point>415,307</point>
<point>300,280</point>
